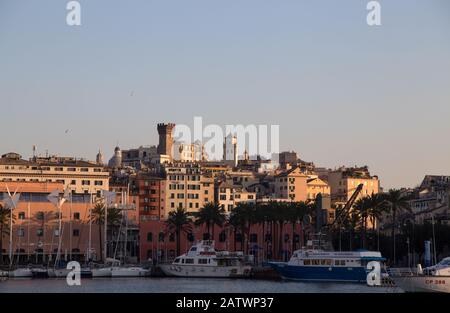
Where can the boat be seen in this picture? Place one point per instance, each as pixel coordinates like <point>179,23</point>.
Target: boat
<point>202,260</point>
<point>431,279</point>
<point>39,273</point>
<point>21,273</point>
<point>317,264</point>
<point>63,272</point>
<point>113,268</point>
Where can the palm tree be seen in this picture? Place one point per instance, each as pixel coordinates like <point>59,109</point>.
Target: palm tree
<point>5,216</point>
<point>210,214</point>
<point>397,201</point>
<point>98,217</point>
<point>179,221</point>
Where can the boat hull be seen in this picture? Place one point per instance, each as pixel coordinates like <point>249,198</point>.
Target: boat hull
<point>129,272</point>
<point>320,273</point>
<point>21,273</point>
<point>206,271</point>
<point>423,283</point>
<point>62,273</point>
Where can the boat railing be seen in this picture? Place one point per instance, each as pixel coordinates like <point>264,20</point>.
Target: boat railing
<point>402,271</point>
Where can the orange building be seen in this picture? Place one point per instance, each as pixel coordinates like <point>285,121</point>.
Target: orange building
<point>36,225</point>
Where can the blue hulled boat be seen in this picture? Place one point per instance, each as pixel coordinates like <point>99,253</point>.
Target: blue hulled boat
<point>310,264</point>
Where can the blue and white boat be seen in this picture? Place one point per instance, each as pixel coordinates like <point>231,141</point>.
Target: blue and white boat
<point>312,264</point>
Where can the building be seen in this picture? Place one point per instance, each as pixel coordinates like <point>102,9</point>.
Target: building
<point>35,232</point>
<point>150,189</point>
<point>316,186</point>
<point>184,152</point>
<point>287,159</point>
<point>187,187</point>
<point>165,146</point>
<point>292,185</point>
<point>139,158</point>
<point>344,181</point>
<point>116,160</point>
<point>230,150</point>
<point>81,176</point>
<point>229,195</point>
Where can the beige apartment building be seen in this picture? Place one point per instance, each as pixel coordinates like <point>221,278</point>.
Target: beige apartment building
<point>228,196</point>
<point>316,186</point>
<point>82,177</point>
<point>292,185</point>
<point>188,187</point>
<point>344,181</point>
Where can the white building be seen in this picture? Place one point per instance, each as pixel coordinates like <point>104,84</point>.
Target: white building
<point>185,152</point>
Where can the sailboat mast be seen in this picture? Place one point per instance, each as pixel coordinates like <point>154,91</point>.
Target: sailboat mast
<point>88,254</point>
<point>105,246</point>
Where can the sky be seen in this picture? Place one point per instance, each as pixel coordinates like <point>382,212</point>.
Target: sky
<point>343,93</point>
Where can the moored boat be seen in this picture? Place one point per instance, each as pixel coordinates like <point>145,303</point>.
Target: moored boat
<point>202,260</point>
<point>431,279</point>
<point>316,264</point>
<point>21,273</point>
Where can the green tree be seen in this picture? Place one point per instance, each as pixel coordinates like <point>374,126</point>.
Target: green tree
<point>397,202</point>
<point>5,216</point>
<point>98,218</point>
<point>210,214</point>
<point>179,221</point>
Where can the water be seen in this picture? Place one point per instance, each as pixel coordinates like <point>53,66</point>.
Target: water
<point>183,285</point>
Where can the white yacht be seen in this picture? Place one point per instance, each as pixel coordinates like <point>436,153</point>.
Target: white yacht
<point>114,269</point>
<point>431,279</point>
<point>202,260</point>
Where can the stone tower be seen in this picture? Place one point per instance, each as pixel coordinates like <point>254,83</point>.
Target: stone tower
<point>165,132</point>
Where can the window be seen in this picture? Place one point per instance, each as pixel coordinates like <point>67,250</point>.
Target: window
<point>189,261</point>
<point>149,237</point>
<point>21,232</point>
<point>161,237</point>
<point>40,232</point>
<point>73,182</point>
<point>222,237</point>
<point>85,182</point>
<point>253,238</point>
<point>202,261</point>
<point>76,232</point>
<point>84,169</point>
<point>98,183</point>
<point>40,216</point>
<point>21,215</point>
<point>76,216</point>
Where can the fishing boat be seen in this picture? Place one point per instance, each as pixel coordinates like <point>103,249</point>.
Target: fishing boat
<point>202,260</point>
<point>431,279</point>
<point>316,264</point>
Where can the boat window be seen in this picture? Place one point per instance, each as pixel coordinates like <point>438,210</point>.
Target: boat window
<point>182,261</point>
<point>306,262</point>
<point>177,260</point>
<point>193,249</point>
<point>189,261</point>
<point>202,261</point>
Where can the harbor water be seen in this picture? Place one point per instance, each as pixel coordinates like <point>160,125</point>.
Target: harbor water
<point>183,285</point>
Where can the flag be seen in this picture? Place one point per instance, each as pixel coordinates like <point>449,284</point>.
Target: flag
<point>12,201</point>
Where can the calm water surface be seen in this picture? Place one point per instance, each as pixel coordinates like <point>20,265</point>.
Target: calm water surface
<point>182,285</point>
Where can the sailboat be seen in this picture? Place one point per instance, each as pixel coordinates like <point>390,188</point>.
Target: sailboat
<point>113,267</point>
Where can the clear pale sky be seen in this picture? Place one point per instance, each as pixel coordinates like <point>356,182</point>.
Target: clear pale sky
<point>342,92</point>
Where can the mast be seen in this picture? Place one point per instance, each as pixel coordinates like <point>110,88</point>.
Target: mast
<point>105,245</point>
<point>28,230</point>
<point>90,232</point>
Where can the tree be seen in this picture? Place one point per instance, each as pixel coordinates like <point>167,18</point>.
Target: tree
<point>98,217</point>
<point>297,214</point>
<point>210,214</point>
<point>179,221</point>
<point>5,216</point>
<point>397,201</point>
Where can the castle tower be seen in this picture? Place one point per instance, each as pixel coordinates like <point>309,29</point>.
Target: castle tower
<point>165,145</point>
